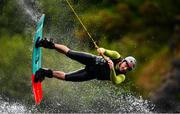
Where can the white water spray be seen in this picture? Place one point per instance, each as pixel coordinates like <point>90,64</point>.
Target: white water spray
<point>7,107</point>
<point>31,11</point>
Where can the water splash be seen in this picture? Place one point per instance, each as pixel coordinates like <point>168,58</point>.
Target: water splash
<point>87,97</point>
<point>30,9</point>
<point>69,97</point>
<point>7,107</point>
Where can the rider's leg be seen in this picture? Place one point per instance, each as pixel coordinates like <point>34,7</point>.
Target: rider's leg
<point>61,48</point>
<point>59,75</point>
<point>46,43</point>
<point>77,76</point>
<point>42,73</point>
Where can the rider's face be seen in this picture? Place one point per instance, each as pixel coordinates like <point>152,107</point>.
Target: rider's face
<point>123,67</point>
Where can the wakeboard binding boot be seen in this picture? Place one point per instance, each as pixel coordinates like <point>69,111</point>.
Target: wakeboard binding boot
<point>42,73</point>
<point>46,43</point>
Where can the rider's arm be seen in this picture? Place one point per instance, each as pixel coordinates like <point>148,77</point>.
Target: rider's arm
<point>116,79</point>
<point>111,53</point>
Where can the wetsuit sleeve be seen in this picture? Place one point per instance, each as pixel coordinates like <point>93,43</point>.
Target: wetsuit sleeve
<point>112,54</point>
<point>116,79</point>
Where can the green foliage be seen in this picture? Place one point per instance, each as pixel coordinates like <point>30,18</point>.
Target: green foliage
<point>14,66</point>
<point>8,17</point>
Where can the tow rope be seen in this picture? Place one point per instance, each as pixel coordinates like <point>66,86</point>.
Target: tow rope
<point>96,46</point>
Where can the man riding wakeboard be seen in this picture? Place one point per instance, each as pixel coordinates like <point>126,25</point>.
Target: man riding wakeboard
<point>96,67</point>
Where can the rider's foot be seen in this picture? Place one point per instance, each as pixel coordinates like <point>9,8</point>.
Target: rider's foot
<point>46,43</point>
<point>42,73</point>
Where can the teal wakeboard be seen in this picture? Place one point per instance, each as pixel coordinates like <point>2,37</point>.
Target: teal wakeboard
<point>37,60</point>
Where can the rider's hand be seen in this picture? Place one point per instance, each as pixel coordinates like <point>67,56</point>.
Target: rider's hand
<point>111,64</point>
<point>100,51</point>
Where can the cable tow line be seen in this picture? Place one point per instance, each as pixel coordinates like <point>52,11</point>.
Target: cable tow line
<point>96,46</point>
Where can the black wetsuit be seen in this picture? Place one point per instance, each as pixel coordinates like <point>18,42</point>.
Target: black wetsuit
<point>95,67</point>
